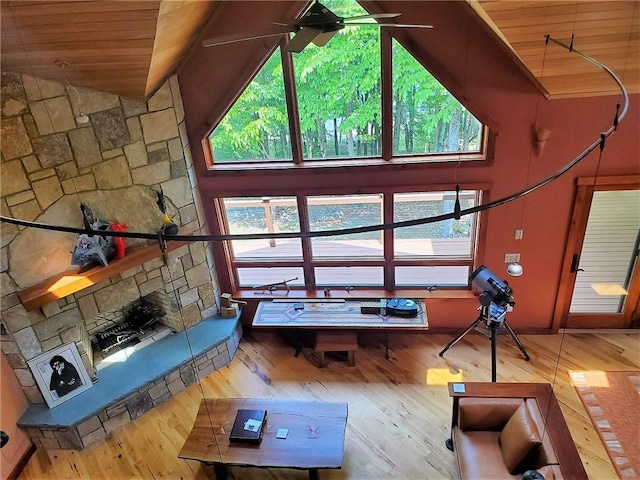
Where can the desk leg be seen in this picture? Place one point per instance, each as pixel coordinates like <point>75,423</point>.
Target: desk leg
<point>313,474</point>
<point>220,470</point>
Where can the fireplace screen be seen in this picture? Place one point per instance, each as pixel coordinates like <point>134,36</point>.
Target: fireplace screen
<point>141,316</point>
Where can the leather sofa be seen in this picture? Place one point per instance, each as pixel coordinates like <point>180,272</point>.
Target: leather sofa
<point>500,431</point>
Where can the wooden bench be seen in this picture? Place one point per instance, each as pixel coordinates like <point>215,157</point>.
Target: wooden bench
<point>336,341</point>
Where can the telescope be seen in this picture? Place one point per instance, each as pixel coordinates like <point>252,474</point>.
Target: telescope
<point>493,289</point>
<point>495,299</point>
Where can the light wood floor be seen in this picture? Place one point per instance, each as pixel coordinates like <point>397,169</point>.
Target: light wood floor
<point>399,410</point>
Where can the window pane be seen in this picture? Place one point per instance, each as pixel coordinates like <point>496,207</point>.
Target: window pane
<point>449,238</point>
<point>334,212</point>
<point>256,127</point>
<point>263,215</point>
<point>261,276</point>
<point>426,117</point>
<point>426,276</point>
<point>338,88</point>
<point>349,276</point>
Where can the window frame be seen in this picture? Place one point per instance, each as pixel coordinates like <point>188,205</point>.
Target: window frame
<point>484,153</point>
<point>388,262</point>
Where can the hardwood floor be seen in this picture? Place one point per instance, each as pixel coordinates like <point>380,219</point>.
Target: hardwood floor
<point>399,409</point>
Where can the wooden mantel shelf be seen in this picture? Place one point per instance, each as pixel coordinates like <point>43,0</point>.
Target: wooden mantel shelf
<point>74,280</point>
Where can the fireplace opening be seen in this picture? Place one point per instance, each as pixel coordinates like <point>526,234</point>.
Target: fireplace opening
<point>133,327</point>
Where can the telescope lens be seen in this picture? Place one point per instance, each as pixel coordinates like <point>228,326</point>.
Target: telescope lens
<point>493,289</point>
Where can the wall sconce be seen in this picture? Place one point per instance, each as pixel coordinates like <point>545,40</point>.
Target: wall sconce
<point>515,269</point>
<point>540,137</point>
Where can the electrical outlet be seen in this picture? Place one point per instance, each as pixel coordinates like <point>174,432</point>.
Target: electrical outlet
<point>511,257</point>
<point>519,234</point>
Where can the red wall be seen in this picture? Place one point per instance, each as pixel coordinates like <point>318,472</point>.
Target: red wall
<point>12,406</point>
<point>476,67</point>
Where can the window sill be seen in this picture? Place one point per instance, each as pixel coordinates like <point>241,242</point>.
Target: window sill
<point>248,295</point>
<point>317,164</point>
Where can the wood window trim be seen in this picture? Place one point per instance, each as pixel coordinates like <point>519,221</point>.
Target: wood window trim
<point>585,188</point>
<point>226,265</point>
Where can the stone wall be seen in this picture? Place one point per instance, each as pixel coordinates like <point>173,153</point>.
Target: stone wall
<point>115,163</point>
<point>82,434</point>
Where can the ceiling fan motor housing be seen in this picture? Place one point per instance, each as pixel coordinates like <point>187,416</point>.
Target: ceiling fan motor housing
<point>319,16</point>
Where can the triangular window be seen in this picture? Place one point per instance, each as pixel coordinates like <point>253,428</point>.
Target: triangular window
<point>256,126</point>
<point>339,106</point>
<point>427,119</point>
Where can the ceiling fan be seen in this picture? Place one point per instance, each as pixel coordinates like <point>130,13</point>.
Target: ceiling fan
<point>318,25</point>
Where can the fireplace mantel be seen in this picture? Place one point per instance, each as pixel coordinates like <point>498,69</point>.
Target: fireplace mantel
<point>74,280</point>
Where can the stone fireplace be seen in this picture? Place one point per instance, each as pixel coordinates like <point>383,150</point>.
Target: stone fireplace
<point>115,164</point>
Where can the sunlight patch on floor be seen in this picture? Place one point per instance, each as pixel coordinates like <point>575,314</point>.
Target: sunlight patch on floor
<point>589,378</point>
<point>442,376</point>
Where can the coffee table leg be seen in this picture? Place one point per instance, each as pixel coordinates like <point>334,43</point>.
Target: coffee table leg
<point>220,470</point>
<point>313,474</point>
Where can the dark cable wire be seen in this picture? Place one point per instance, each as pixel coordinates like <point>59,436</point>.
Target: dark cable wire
<point>369,228</point>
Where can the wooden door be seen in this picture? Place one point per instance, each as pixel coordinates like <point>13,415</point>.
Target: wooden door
<point>600,281</point>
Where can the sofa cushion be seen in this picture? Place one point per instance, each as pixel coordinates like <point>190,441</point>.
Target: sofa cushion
<point>518,437</point>
<point>479,456</point>
<point>544,455</point>
<point>486,413</point>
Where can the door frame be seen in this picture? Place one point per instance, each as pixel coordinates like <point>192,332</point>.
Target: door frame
<point>585,187</point>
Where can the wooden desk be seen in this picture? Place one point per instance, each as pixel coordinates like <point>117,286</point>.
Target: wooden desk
<point>336,314</point>
<point>315,438</point>
<point>333,313</point>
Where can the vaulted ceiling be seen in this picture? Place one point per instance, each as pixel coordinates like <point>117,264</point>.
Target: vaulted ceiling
<point>130,47</point>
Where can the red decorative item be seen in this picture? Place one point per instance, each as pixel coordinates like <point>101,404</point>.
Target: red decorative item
<point>119,242</point>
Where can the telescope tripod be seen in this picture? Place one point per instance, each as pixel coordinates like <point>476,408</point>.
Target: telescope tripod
<point>493,326</point>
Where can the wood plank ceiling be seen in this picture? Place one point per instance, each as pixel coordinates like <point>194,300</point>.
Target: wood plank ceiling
<point>130,47</point>
<point>608,31</point>
<point>123,47</point>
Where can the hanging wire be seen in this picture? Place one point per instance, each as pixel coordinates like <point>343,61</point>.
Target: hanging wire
<point>531,149</point>
<point>192,354</point>
<point>81,117</point>
<point>602,145</point>
<point>524,202</point>
<point>457,210</point>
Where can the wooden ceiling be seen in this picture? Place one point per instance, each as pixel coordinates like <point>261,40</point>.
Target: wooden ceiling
<point>607,31</point>
<point>124,47</point>
<point>130,47</point>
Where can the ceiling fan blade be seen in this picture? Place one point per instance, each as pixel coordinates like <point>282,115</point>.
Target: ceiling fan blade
<point>374,24</point>
<point>241,37</point>
<point>400,25</point>
<point>303,38</point>
<point>375,15</point>
<point>322,39</point>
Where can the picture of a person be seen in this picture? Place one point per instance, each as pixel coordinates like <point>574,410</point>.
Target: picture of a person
<point>64,378</point>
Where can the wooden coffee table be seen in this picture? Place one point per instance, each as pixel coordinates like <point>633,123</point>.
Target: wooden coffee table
<point>315,439</point>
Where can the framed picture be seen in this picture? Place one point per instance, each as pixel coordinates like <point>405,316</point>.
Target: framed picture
<point>60,374</point>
